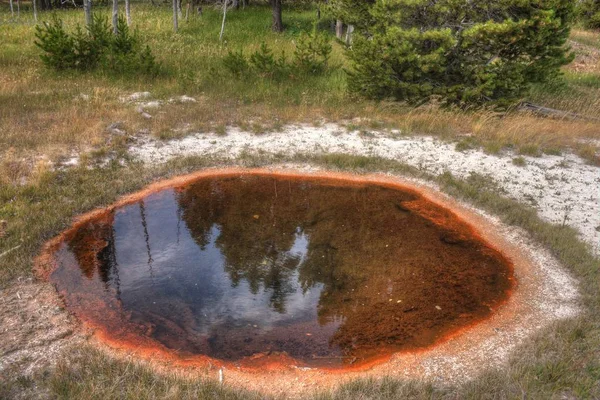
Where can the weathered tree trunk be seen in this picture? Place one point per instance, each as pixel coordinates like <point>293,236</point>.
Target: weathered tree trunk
<point>12,10</point>
<point>236,4</point>
<point>18,8</point>
<point>34,10</point>
<point>349,33</point>
<point>187,11</point>
<point>115,16</point>
<point>87,9</point>
<point>224,16</point>
<point>197,5</point>
<point>175,21</point>
<point>179,9</point>
<point>339,29</point>
<point>277,20</point>
<point>127,11</point>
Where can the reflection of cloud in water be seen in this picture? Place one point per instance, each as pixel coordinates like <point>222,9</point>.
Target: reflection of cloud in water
<point>185,280</point>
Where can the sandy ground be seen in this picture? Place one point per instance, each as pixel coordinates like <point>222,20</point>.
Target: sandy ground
<point>563,189</point>
<point>34,330</point>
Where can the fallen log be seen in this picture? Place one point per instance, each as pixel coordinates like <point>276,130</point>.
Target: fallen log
<point>553,113</point>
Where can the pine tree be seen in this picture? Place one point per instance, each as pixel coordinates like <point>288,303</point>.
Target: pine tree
<point>463,51</point>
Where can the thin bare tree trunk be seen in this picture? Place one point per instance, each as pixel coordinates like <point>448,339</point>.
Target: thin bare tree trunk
<point>175,22</point>
<point>187,11</point>
<point>179,10</point>
<point>115,16</point>
<point>35,10</point>
<point>12,10</point>
<point>349,33</point>
<point>339,29</point>
<point>128,11</point>
<point>87,9</point>
<point>18,8</point>
<point>224,16</point>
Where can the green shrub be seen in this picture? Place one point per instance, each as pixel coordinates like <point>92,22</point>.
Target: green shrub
<point>311,56</point>
<point>147,62</point>
<point>57,44</point>
<point>264,63</point>
<point>236,63</point>
<point>126,53</point>
<point>312,52</point>
<point>89,44</point>
<point>94,47</point>
<point>487,53</point>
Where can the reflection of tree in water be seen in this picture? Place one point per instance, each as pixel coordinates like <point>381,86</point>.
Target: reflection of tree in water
<point>260,220</point>
<point>94,248</point>
<point>257,230</point>
<point>383,268</point>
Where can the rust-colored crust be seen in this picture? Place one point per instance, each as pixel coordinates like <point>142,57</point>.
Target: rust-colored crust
<point>260,368</point>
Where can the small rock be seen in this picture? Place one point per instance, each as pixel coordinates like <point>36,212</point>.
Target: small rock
<point>183,99</point>
<point>71,162</point>
<point>151,104</point>
<point>146,115</point>
<point>83,96</point>
<point>438,307</point>
<point>135,97</point>
<point>187,99</point>
<point>115,125</point>
<point>116,128</point>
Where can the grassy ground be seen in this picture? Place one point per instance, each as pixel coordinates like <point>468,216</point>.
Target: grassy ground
<point>43,116</point>
<point>42,112</point>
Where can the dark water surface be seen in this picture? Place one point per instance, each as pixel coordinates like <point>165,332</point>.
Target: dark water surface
<point>327,271</point>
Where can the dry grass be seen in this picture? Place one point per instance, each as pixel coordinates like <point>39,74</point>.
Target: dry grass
<point>91,374</point>
<point>589,38</point>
